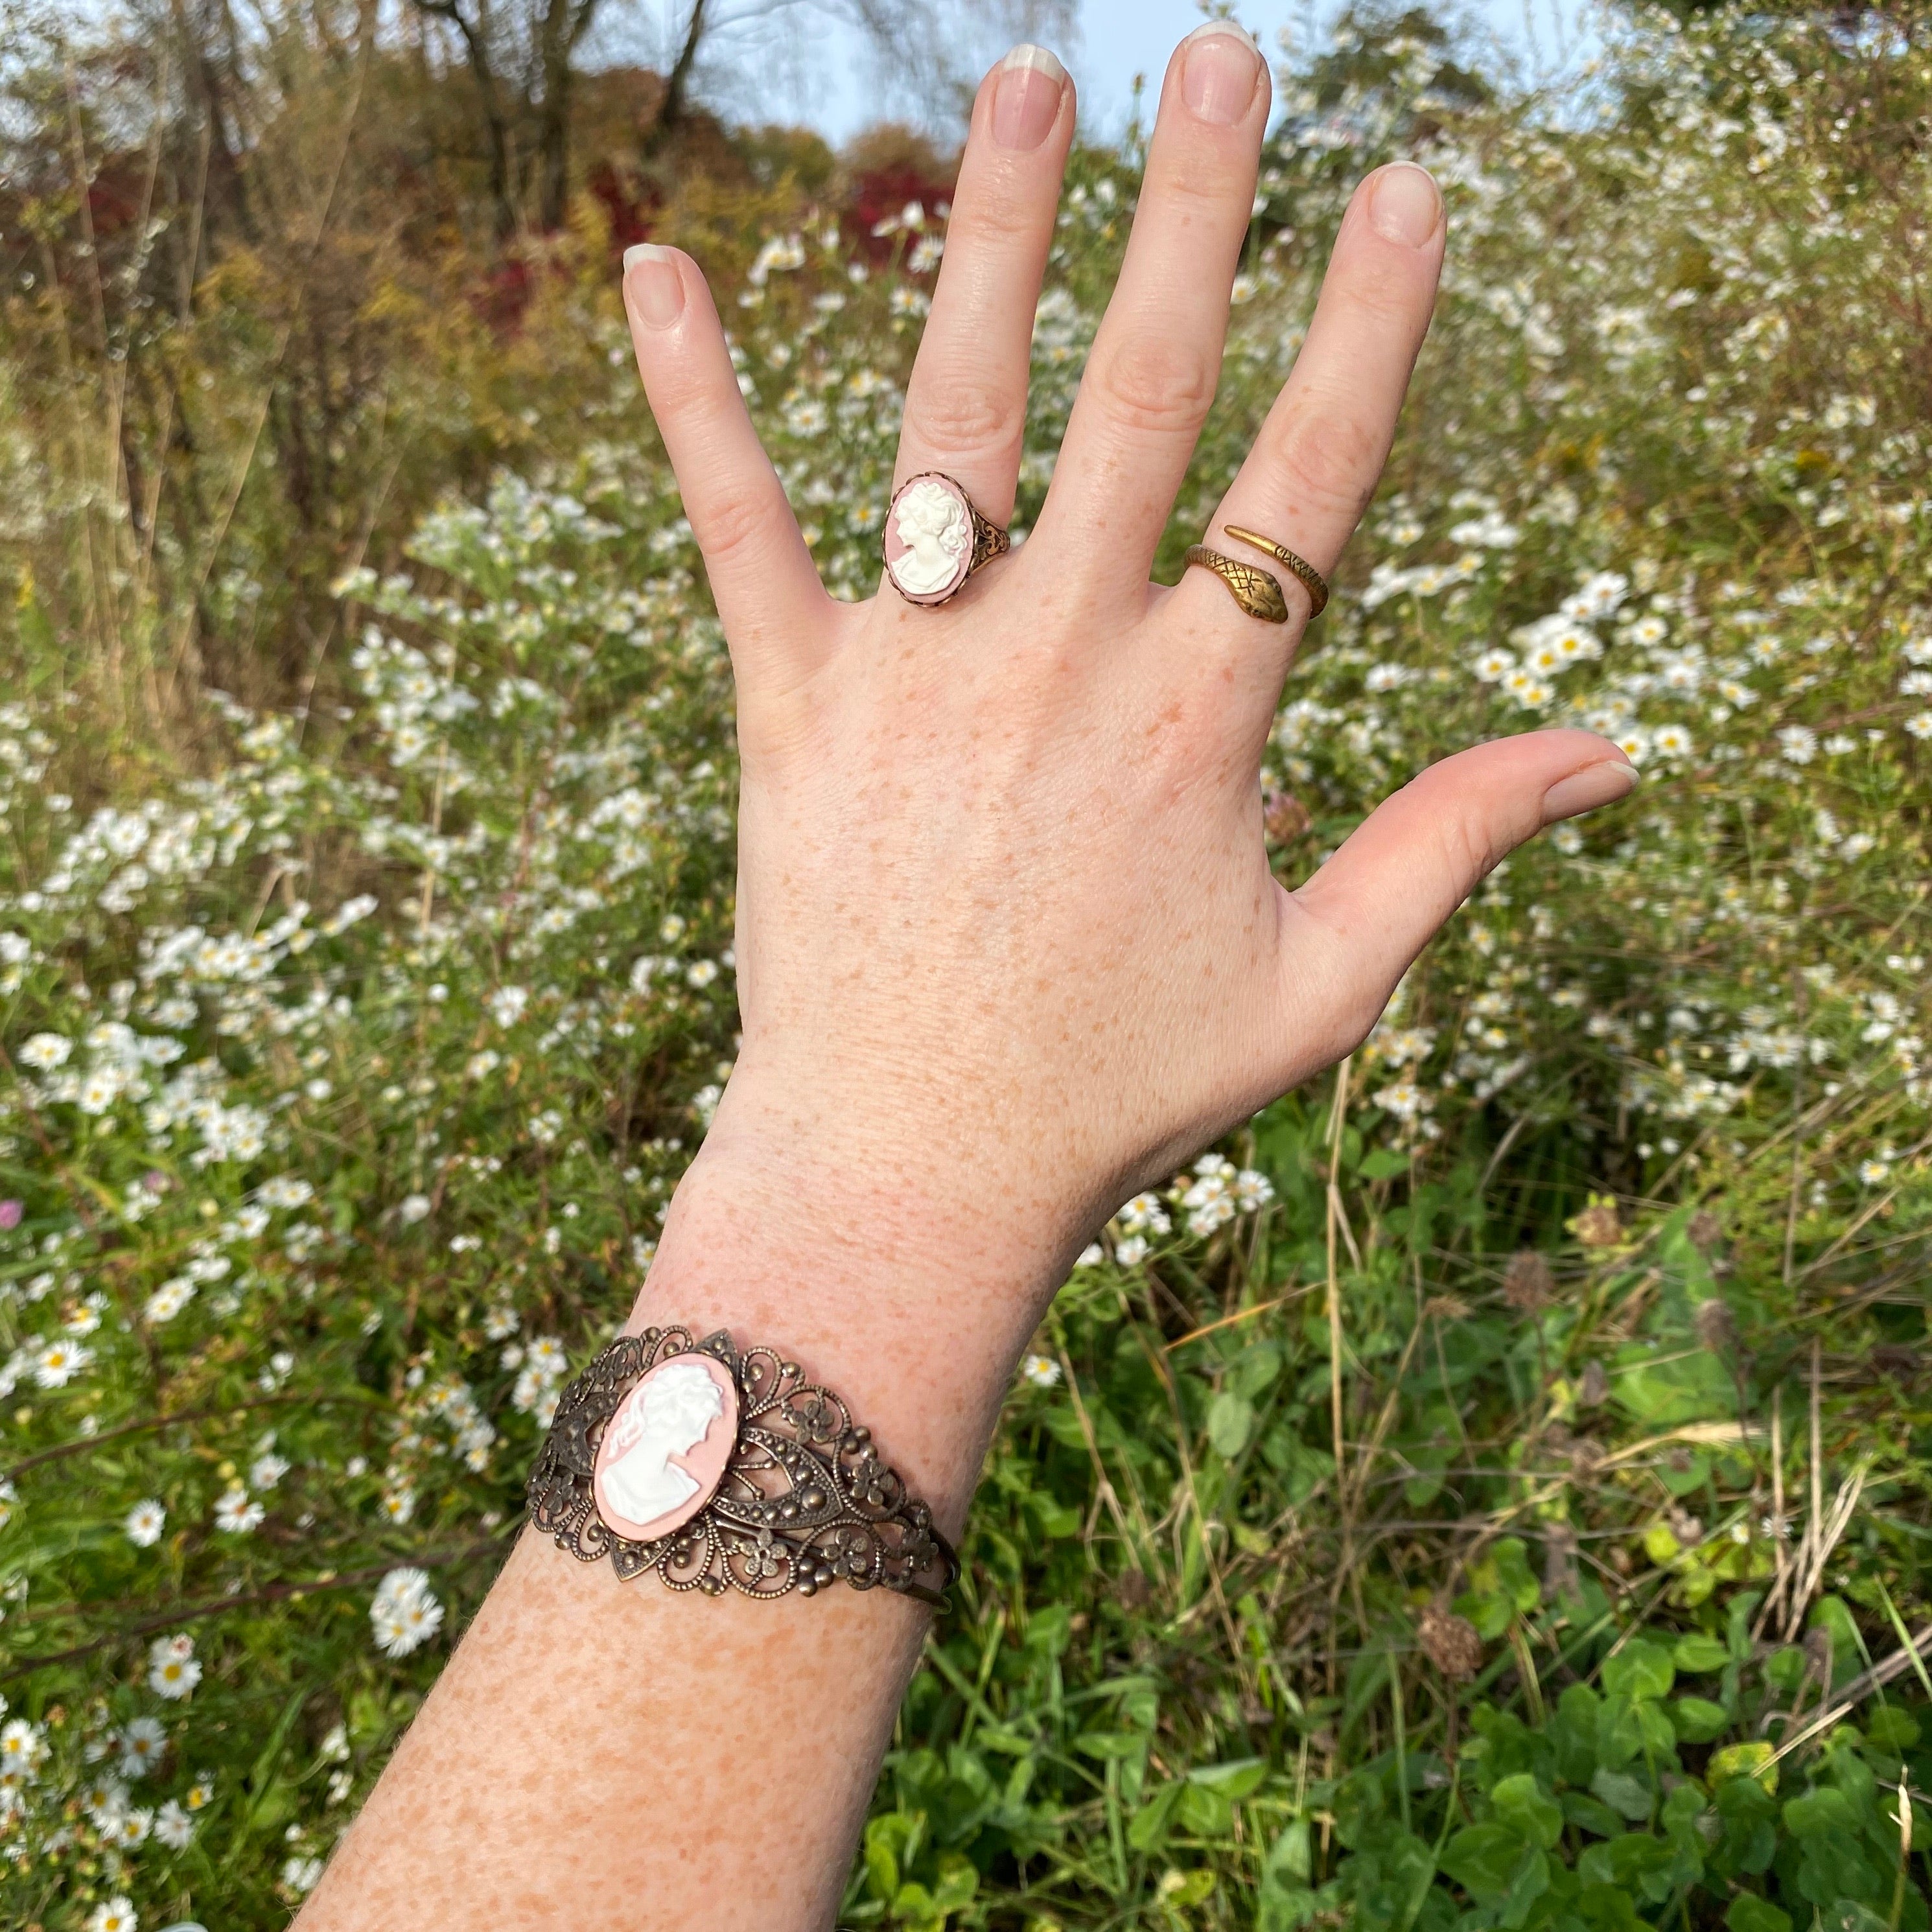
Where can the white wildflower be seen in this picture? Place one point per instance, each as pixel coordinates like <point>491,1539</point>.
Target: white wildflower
<point>144,1522</point>
<point>173,1669</point>
<point>405,1613</point>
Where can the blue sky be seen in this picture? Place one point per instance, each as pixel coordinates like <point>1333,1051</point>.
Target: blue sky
<point>1120,38</point>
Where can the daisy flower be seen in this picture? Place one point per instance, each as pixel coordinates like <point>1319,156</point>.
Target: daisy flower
<point>59,1362</point>
<point>173,1669</point>
<point>173,1826</point>
<point>144,1743</point>
<point>237,1512</point>
<point>144,1523</point>
<point>405,1614</point>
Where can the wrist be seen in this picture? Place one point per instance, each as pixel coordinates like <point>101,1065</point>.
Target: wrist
<point>871,1272</point>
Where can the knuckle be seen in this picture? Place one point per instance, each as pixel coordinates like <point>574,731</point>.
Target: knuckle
<point>1199,186</point>
<point>999,214</point>
<point>1329,459</point>
<point>1152,383</point>
<point>967,411</point>
<point>1469,852</point>
<point>729,523</point>
<point>1388,300</point>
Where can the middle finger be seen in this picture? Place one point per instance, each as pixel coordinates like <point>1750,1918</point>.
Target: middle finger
<point>966,405</point>
<point>1157,357</point>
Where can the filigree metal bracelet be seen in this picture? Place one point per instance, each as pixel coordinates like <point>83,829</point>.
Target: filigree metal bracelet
<point>719,1469</point>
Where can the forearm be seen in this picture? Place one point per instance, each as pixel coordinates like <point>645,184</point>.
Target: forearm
<point>714,1756</point>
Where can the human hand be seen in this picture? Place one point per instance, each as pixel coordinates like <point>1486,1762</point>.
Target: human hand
<point>1008,945</point>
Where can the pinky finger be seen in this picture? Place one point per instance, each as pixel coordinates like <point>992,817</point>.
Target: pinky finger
<point>775,612</point>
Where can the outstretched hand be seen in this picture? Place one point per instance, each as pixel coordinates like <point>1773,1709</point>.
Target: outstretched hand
<point>1003,892</point>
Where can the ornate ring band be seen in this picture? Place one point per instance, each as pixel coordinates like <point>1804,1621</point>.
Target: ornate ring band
<point>722,1468</point>
<point>936,539</point>
<point>1257,592</point>
<point>1312,581</point>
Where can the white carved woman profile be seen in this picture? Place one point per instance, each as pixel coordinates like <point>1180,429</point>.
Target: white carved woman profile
<point>674,1410</point>
<point>936,528</point>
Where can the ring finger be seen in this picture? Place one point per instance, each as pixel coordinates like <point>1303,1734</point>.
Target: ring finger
<point>966,406</point>
<point>1315,466</point>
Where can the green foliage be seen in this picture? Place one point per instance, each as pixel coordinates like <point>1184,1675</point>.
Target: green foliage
<point>1411,1558</point>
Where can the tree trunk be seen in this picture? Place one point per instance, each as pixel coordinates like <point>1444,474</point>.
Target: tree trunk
<point>554,124</point>
<point>677,83</point>
<point>500,194</point>
<point>566,23</point>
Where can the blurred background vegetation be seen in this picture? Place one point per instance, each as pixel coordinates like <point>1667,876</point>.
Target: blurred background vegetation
<point>1496,1495</point>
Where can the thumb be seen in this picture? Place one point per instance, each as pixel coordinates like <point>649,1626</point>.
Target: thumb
<point>1420,854</point>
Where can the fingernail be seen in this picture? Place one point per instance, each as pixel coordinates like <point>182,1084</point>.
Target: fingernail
<point>1219,68</point>
<point>1585,790</point>
<point>1405,203</point>
<point>653,284</point>
<point>1026,98</point>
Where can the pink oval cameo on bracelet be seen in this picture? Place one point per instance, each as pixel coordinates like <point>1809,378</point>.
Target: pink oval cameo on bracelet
<point>664,1452</point>
<point>929,534</point>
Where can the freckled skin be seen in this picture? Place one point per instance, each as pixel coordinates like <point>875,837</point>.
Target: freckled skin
<point>1010,949</point>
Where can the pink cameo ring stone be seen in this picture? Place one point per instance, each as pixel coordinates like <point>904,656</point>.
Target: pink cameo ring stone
<point>723,1469</point>
<point>936,539</point>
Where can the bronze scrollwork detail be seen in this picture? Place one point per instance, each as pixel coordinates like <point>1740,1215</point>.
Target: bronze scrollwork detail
<point>804,1500</point>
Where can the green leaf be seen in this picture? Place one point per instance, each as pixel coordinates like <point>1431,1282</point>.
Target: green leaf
<point>1824,1810</point>
<point>1750,1760</point>
<point>1109,1744</point>
<point>1233,1781</point>
<point>1691,1386</point>
<point>1056,1520</point>
<point>1530,1882</point>
<point>1292,1854</point>
<point>1383,1164</point>
<point>1891,1729</point>
<point>1205,1813</point>
<point>1231,1421</point>
<point>1513,1573</point>
<point>958,1881</point>
<point>1634,1862</point>
<point>1523,1803</point>
<point>1591,1814</point>
<point>1252,1373</point>
<point>1641,1669</point>
<point>1750,1913</point>
<point>1148,1825</point>
<point>1285,1908</point>
<point>1393,1883</point>
<point>1049,1629</point>
<point>1697,1720</point>
<point>1847,1915</point>
<point>1698,1652</point>
<point>1629,1797</point>
<point>1606,1908</point>
<point>1483,1859</point>
<point>1490,1611</point>
<point>1194,1887</point>
<point>882,1865</point>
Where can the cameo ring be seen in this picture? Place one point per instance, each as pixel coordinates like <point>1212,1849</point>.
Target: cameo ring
<point>936,539</point>
<point>723,1469</point>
